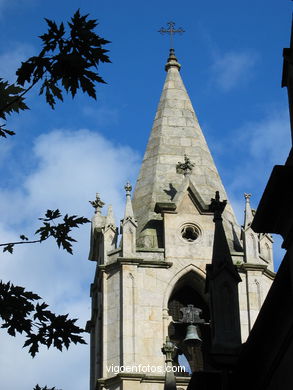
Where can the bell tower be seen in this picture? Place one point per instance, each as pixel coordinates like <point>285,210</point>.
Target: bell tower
<point>150,289</point>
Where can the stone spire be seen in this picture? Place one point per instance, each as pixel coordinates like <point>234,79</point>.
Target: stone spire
<point>128,226</point>
<point>128,213</point>
<point>176,133</point>
<point>104,233</point>
<point>222,285</point>
<point>221,253</point>
<point>110,219</point>
<point>248,216</point>
<point>250,238</point>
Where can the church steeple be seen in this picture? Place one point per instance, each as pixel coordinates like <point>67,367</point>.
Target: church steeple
<point>143,285</point>
<point>175,133</point>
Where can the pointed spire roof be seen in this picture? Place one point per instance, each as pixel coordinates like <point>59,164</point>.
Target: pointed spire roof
<point>110,219</point>
<point>248,215</point>
<point>128,213</point>
<point>221,252</point>
<point>175,133</point>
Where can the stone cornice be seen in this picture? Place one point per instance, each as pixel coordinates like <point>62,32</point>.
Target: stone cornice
<point>134,261</point>
<point>256,267</point>
<point>165,207</point>
<point>150,250</point>
<point>114,251</point>
<point>239,254</point>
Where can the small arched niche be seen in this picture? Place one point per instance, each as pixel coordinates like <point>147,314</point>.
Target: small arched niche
<point>189,290</point>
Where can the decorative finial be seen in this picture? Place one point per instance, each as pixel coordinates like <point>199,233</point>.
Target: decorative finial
<point>247,197</point>
<point>217,207</point>
<point>168,349</point>
<point>128,188</point>
<point>97,203</point>
<point>171,30</point>
<point>185,167</point>
<point>172,60</point>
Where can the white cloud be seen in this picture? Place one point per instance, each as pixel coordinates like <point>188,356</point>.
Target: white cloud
<point>271,138</point>
<point>71,166</point>
<point>263,144</point>
<point>5,150</point>
<point>232,68</point>
<point>259,146</point>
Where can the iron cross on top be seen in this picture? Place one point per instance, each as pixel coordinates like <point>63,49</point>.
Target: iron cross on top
<point>171,30</point>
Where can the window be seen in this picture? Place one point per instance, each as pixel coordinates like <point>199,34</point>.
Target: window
<point>190,232</point>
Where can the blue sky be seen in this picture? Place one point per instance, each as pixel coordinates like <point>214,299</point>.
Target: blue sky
<point>231,56</point>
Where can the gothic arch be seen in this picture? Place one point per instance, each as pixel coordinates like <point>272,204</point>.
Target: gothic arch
<point>187,289</point>
<point>199,275</point>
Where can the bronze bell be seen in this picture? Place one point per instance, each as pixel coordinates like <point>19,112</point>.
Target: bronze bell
<point>192,336</point>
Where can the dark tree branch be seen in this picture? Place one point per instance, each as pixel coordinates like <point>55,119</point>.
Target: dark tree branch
<point>20,242</point>
<point>20,313</point>
<point>65,63</point>
<point>60,232</point>
<point>37,387</point>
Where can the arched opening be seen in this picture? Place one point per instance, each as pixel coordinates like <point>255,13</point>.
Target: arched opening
<point>189,290</point>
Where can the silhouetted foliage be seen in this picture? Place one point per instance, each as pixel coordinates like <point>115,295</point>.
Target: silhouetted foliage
<point>10,97</point>
<point>65,63</point>
<point>69,62</point>
<point>59,232</point>
<point>44,388</point>
<point>20,313</point>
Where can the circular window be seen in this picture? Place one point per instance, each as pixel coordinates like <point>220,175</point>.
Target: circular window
<point>190,232</point>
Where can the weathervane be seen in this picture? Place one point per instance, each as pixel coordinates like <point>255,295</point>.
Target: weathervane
<point>171,31</point>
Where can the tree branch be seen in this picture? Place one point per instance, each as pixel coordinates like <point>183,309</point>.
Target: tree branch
<point>17,98</point>
<point>20,242</point>
<point>60,232</point>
